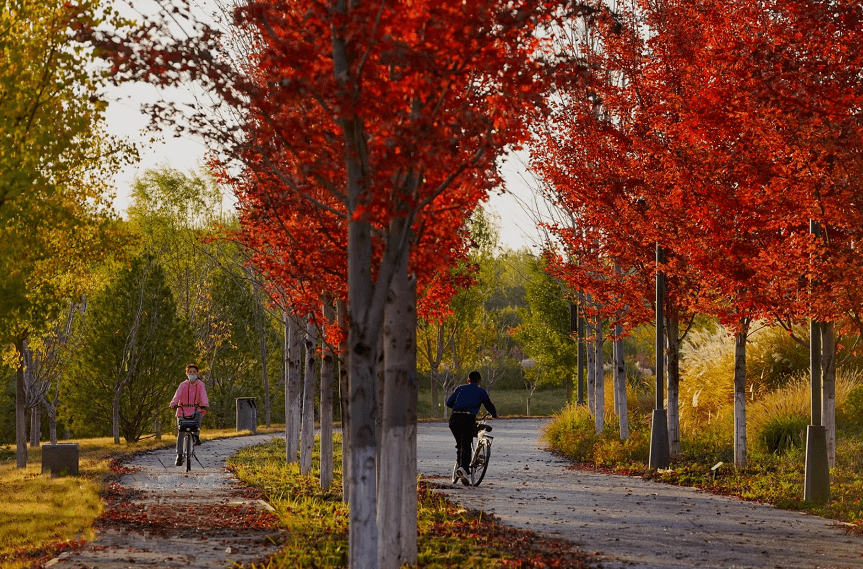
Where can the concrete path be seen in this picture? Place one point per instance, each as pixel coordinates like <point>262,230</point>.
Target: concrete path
<point>630,522</point>
<point>171,512</point>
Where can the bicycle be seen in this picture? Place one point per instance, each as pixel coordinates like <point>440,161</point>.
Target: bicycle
<point>190,428</point>
<point>480,453</point>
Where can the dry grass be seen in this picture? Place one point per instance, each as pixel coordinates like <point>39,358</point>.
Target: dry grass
<point>773,360</point>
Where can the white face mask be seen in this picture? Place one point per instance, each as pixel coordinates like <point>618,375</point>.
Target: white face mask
<point>192,377</point>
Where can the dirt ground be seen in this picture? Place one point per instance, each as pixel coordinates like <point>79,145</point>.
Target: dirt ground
<point>158,515</point>
<point>629,522</point>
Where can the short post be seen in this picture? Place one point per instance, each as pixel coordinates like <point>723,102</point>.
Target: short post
<point>60,459</point>
<point>247,414</point>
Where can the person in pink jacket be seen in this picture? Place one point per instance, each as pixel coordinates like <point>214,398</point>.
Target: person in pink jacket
<point>191,402</point>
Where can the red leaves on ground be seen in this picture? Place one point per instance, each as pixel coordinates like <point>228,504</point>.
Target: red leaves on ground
<point>524,548</point>
<point>124,512</point>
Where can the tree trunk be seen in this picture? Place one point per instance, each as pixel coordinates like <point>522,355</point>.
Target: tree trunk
<point>438,408</point>
<point>672,362</point>
<point>115,414</point>
<point>262,346</point>
<point>580,356</point>
<point>20,409</point>
<point>293,393</point>
<point>326,412</point>
<point>362,339</point>
<point>52,423</point>
<point>308,430</point>
<point>599,380</point>
<point>286,369</point>
<point>740,399</point>
<point>379,398</point>
<point>434,394</point>
<point>620,384</point>
<point>591,365</point>
<point>344,403</point>
<point>828,389</point>
<point>396,508</point>
<point>35,426</point>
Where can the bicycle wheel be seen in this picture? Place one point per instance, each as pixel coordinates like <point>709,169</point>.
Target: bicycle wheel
<point>454,475</point>
<point>479,464</point>
<point>188,445</point>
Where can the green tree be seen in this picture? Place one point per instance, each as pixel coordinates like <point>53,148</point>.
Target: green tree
<point>135,348</point>
<point>544,334</point>
<point>251,348</point>
<point>55,162</point>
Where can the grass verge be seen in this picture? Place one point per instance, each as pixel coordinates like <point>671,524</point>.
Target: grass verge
<point>317,520</point>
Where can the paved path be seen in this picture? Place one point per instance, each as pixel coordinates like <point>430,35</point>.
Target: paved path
<point>187,541</point>
<point>632,523</point>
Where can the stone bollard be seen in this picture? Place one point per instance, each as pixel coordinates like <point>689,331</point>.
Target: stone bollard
<point>61,459</point>
<point>247,414</point>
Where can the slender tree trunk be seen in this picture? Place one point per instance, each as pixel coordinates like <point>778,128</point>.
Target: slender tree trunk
<point>308,430</point>
<point>286,366</point>
<point>20,409</point>
<point>115,413</point>
<point>396,532</point>
<point>438,409</point>
<point>262,347</point>
<point>292,392</point>
<point>740,399</point>
<point>434,394</point>
<point>379,398</point>
<point>580,353</point>
<point>52,423</point>
<point>326,412</point>
<point>344,403</point>
<point>35,426</point>
<point>828,389</point>
<point>672,362</point>
<point>620,383</point>
<point>599,381</point>
<point>591,365</point>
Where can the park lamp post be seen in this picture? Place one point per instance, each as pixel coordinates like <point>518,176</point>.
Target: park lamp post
<point>816,486</point>
<point>660,455</point>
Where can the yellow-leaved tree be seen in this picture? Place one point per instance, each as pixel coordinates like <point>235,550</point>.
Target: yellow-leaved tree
<point>56,162</point>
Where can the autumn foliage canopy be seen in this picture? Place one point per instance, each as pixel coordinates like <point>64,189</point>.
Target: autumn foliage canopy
<point>717,130</point>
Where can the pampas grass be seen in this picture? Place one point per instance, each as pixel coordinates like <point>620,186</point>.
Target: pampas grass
<point>773,359</point>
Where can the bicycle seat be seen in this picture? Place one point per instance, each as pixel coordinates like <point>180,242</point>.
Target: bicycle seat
<point>484,428</point>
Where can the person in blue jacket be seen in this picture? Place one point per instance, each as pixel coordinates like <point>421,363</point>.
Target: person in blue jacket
<point>465,403</point>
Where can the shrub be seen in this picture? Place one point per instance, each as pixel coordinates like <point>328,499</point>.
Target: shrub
<point>781,434</point>
<point>572,432</point>
<point>850,413</point>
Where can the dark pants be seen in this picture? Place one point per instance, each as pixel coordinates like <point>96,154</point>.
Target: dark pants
<point>196,417</point>
<point>463,427</point>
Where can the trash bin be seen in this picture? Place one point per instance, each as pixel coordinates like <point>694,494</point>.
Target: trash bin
<point>60,459</point>
<point>247,414</point>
